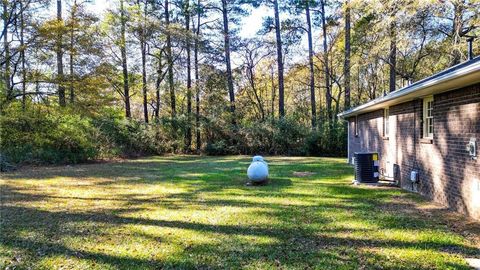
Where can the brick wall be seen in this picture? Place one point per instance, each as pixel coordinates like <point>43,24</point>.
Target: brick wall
<point>370,136</point>
<point>447,174</point>
<point>370,131</point>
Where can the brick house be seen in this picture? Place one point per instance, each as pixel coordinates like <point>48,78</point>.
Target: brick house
<point>426,127</point>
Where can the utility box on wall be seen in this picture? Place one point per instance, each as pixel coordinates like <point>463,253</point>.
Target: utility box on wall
<point>472,148</point>
<point>414,176</point>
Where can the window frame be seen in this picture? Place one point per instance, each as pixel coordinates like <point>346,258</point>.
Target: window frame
<point>356,126</point>
<point>428,120</point>
<point>386,122</point>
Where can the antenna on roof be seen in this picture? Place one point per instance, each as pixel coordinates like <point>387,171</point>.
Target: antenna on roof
<point>470,47</point>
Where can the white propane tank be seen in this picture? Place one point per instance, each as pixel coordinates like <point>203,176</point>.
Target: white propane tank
<point>258,170</point>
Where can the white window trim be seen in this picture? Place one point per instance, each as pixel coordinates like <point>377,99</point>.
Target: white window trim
<point>356,126</point>
<point>426,134</point>
<point>386,122</point>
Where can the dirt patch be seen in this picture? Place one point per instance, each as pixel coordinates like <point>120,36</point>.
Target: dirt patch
<point>303,174</point>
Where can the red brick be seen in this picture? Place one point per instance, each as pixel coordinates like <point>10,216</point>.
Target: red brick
<point>456,119</point>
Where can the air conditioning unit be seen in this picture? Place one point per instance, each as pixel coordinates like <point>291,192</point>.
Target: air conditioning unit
<point>366,167</point>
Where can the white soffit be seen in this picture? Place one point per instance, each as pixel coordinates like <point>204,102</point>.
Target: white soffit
<point>456,77</point>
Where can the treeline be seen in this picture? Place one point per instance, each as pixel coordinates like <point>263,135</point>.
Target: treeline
<point>157,76</point>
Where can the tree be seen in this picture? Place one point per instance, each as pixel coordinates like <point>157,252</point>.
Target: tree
<point>158,81</point>
<point>187,14</point>
<point>22,56</point>
<point>346,67</point>
<point>310,63</point>
<point>171,85</point>
<point>460,20</point>
<point>72,26</point>
<point>281,88</point>
<point>143,50</point>
<point>228,64</point>
<point>392,59</point>
<point>6,48</point>
<point>158,43</point>
<point>60,75</point>
<point>328,93</point>
<point>253,54</point>
<point>196,26</point>
<point>123,51</point>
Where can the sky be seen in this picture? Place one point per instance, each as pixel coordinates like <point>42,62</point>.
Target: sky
<point>250,24</point>
<point>248,28</point>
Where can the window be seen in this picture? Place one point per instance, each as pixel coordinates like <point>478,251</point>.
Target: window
<point>356,126</point>
<point>386,118</point>
<point>428,117</point>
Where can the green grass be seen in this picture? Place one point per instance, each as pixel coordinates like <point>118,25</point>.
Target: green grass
<point>196,212</point>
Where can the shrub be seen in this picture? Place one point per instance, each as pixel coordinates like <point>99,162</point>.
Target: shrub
<point>257,138</point>
<point>46,137</point>
<point>60,135</point>
<point>118,136</point>
<point>289,136</point>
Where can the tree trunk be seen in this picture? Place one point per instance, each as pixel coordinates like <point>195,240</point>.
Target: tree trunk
<point>197,83</point>
<point>312,71</point>
<point>72,44</point>
<point>143,47</point>
<point>281,90</point>
<point>157,88</point>
<point>61,88</point>
<point>123,50</point>
<point>346,67</point>
<point>170,62</point>
<point>7,51</point>
<point>328,93</point>
<point>226,35</point>
<point>22,57</point>
<point>393,56</point>
<point>251,79</point>
<point>457,26</point>
<point>274,91</point>
<point>188,135</point>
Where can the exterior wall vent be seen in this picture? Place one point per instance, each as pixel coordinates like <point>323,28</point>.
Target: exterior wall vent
<point>470,47</point>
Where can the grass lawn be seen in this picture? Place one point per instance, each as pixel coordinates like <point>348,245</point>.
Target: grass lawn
<point>196,212</point>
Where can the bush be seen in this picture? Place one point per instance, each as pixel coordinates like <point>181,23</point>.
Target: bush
<point>328,140</point>
<point>59,135</point>
<point>46,137</point>
<point>216,148</point>
<point>257,138</point>
<point>221,137</point>
<point>289,136</point>
<point>120,137</point>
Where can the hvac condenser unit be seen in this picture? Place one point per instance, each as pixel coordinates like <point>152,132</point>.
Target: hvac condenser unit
<point>366,167</point>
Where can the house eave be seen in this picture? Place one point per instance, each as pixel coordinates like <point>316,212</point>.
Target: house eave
<point>458,78</point>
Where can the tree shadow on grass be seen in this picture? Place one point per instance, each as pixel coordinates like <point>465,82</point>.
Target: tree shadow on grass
<point>301,244</point>
<point>306,229</point>
<point>294,245</point>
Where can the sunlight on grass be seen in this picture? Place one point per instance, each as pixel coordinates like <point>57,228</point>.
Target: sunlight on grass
<point>197,212</point>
